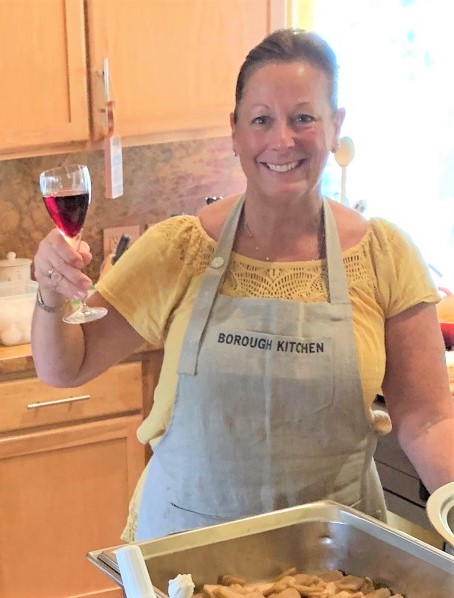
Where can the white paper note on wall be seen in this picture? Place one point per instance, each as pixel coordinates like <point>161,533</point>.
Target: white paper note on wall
<point>113,167</point>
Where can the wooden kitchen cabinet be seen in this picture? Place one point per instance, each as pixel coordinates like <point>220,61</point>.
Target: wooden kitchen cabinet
<point>67,472</point>
<point>43,74</point>
<point>172,65</point>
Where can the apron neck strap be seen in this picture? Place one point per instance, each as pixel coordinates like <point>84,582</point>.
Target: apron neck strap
<point>337,277</point>
<point>209,286</point>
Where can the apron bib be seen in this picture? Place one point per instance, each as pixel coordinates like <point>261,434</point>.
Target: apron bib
<point>269,410</point>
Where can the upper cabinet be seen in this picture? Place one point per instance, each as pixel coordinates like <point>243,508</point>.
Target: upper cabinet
<point>43,74</point>
<point>173,63</point>
<point>172,68</point>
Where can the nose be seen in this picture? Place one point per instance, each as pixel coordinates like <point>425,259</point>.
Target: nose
<point>282,135</point>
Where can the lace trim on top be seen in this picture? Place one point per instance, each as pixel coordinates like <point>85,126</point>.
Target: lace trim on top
<point>303,281</point>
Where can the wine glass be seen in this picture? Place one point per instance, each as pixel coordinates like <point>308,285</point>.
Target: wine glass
<point>66,191</point>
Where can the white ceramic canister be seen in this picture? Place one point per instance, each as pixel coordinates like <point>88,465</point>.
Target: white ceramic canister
<point>15,268</point>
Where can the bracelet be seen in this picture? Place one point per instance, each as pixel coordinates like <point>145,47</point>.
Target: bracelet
<point>49,308</point>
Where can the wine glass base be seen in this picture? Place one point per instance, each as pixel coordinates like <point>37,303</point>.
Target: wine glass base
<point>85,314</point>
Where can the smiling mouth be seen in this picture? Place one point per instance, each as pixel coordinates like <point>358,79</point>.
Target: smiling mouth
<point>283,167</point>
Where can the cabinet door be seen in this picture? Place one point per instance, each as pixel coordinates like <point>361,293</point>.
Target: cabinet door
<point>173,63</point>
<point>63,492</point>
<point>43,74</point>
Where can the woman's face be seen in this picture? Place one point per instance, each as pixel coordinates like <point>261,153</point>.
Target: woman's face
<point>285,129</point>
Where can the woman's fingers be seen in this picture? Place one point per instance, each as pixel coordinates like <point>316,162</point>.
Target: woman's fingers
<point>70,283</point>
<point>58,266</point>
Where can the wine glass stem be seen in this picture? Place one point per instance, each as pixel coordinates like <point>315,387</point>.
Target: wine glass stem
<point>75,244</point>
<point>84,308</point>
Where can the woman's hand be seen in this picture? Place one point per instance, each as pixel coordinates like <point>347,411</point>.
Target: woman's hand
<point>58,268</point>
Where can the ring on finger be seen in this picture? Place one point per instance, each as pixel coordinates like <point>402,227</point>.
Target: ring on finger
<point>56,277</point>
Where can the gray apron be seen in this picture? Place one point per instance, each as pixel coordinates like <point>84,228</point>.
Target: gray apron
<point>269,410</point>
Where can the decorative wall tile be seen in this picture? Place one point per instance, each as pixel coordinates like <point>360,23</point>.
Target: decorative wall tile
<point>159,180</point>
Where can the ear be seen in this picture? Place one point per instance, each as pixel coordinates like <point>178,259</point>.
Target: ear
<point>338,121</point>
<point>233,129</point>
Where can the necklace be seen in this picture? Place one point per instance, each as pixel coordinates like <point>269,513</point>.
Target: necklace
<point>320,236</point>
<point>251,236</point>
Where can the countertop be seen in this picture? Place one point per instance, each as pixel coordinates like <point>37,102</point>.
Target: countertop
<point>17,361</point>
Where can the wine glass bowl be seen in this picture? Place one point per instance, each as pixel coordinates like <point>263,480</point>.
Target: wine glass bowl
<point>66,191</point>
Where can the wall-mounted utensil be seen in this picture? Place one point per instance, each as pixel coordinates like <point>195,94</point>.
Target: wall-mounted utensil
<point>212,199</point>
<point>343,155</point>
<point>121,248</point>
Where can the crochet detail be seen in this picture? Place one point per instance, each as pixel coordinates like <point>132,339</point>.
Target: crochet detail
<point>246,277</point>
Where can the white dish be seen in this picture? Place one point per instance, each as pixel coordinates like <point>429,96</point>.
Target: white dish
<point>440,510</point>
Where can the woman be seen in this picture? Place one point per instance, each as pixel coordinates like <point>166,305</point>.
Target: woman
<point>282,315</point>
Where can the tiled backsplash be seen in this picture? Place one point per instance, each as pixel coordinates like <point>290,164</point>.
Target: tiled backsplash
<point>158,180</point>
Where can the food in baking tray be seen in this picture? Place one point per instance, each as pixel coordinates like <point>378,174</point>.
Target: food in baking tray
<point>290,584</point>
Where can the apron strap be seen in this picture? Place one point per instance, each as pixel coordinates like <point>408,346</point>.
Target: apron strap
<point>337,277</point>
<point>209,286</point>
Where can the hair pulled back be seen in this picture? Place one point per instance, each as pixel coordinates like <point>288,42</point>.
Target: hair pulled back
<point>290,45</point>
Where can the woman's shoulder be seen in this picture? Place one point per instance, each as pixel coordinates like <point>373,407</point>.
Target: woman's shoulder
<point>389,238</point>
<point>352,227</point>
<point>376,235</point>
<point>177,232</point>
<point>212,217</point>
<point>179,243</point>
<point>402,276</point>
<point>172,228</point>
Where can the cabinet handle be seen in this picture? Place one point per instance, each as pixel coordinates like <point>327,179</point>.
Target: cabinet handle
<point>58,401</point>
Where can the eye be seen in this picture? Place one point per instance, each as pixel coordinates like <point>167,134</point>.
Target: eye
<point>304,119</point>
<point>261,120</point>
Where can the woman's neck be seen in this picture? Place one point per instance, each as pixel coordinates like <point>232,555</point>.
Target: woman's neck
<point>301,216</point>
<point>291,233</point>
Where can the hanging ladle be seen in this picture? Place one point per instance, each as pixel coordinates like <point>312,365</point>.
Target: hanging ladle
<point>343,155</point>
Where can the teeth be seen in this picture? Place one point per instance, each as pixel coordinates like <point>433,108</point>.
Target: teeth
<point>283,167</point>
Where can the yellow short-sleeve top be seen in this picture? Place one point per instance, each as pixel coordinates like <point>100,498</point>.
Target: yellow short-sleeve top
<point>156,281</point>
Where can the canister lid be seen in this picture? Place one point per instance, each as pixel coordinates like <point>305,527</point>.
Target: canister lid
<point>12,261</point>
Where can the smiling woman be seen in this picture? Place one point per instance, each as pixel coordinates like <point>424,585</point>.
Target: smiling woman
<point>271,366</point>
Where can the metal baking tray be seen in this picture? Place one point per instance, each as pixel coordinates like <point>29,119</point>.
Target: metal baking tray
<point>312,537</point>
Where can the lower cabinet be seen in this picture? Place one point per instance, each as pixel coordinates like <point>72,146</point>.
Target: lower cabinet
<point>64,490</point>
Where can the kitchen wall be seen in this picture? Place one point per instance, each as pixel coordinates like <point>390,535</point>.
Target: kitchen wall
<point>159,180</point>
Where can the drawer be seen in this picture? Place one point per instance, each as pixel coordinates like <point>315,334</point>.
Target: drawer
<point>30,403</point>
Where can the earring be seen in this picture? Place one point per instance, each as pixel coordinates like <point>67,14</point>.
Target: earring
<point>235,154</point>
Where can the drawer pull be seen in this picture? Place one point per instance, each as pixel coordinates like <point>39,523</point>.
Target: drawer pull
<point>58,401</point>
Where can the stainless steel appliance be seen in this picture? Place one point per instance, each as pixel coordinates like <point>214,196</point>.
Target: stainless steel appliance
<point>322,535</point>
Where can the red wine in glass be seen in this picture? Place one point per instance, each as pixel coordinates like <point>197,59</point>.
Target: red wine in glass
<point>68,211</point>
<point>66,191</point>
